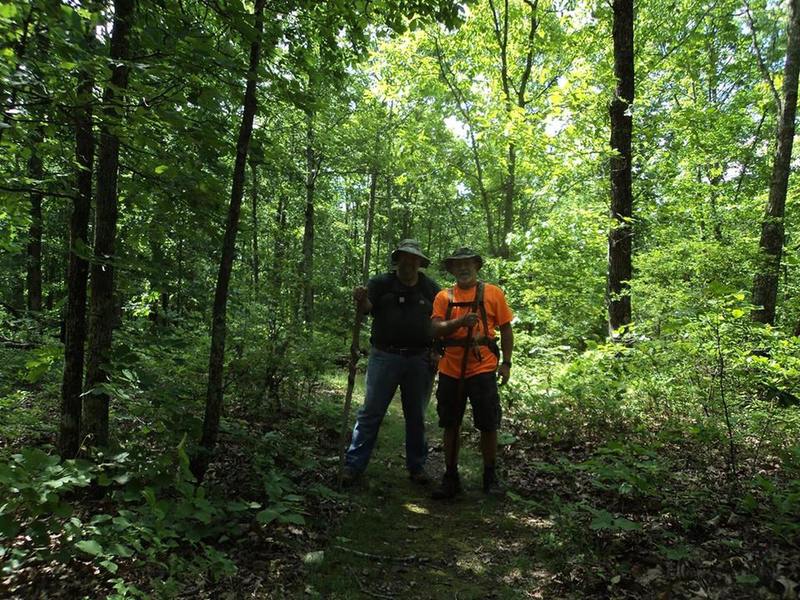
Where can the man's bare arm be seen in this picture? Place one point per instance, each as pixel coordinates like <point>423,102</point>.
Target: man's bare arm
<point>507,349</point>
<point>506,342</point>
<point>442,328</point>
<point>361,298</point>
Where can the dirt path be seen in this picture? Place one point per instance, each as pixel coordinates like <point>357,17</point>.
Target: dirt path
<point>398,543</point>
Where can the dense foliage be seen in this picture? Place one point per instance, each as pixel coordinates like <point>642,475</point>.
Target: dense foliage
<point>482,124</point>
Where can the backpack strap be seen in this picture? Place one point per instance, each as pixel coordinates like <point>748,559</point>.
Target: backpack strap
<point>482,308</point>
<point>451,301</point>
<point>476,304</point>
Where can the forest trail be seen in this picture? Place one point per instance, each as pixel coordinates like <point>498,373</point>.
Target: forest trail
<point>398,543</point>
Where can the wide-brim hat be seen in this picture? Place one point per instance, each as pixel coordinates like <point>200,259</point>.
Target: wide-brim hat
<point>461,254</point>
<point>410,247</point>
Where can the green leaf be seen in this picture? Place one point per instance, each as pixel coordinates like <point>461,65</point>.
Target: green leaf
<point>7,11</point>
<point>292,518</point>
<point>63,510</point>
<point>314,559</point>
<point>267,516</point>
<point>117,549</point>
<point>111,566</point>
<point>506,439</point>
<point>90,547</point>
<point>8,526</point>
<point>161,169</point>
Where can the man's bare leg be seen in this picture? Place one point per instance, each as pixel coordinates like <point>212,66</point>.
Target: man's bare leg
<point>452,441</point>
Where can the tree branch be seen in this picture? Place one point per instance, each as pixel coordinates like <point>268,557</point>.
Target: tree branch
<point>761,64</point>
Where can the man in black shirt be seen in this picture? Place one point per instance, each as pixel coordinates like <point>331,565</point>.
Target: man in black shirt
<point>400,303</point>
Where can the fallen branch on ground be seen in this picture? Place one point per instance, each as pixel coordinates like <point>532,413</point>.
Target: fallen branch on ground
<point>404,559</point>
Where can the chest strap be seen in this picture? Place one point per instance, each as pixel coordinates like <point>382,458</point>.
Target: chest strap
<point>476,305</point>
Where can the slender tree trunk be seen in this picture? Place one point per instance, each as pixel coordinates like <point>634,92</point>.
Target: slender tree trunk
<point>373,187</point>
<point>213,411</point>
<point>179,285</point>
<point>101,308</point>
<point>513,97</point>
<point>254,198</point>
<point>508,200</point>
<point>312,166</point>
<point>34,262</point>
<point>391,220</point>
<point>278,248</point>
<point>77,275</point>
<point>765,284</point>
<point>620,268</point>
<point>463,107</point>
<point>406,226</point>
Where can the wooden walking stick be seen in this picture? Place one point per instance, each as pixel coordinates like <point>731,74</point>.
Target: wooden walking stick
<point>348,398</point>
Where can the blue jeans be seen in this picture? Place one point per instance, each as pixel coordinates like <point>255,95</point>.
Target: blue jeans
<point>385,372</point>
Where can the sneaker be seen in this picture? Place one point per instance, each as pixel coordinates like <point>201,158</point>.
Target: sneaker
<point>491,485</point>
<point>350,476</point>
<point>420,477</point>
<point>449,488</point>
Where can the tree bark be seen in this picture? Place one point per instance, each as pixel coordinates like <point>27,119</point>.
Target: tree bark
<point>765,284</point>
<point>373,188</point>
<point>307,268</point>
<point>620,268</point>
<point>278,251</point>
<point>512,98</point>
<point>77,275</point>
<point>213,411</point>
<point>101,311</point>
<point>463,107</point>
<point>254,199</point>
<point>34,262</point>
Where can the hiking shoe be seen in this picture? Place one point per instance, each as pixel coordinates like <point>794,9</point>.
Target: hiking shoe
<point>491,485</point>
<point>350,477</point>
<point>448,488</point>
<point>420,477</point>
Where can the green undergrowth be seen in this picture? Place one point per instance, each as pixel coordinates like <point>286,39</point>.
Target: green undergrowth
<point>133,521</point>
<point>600,503</point>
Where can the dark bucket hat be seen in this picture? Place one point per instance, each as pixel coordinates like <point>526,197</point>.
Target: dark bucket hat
<point>460,254</point>
<point>411,247</point>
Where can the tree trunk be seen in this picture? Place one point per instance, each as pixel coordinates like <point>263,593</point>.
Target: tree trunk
<point>213,411</point>
<point>101,309</point>
<point>765,284</point>
<point>278,252</point>
<point>312,164</point>
<point>620,237</point>
<point>34,262</point>
<point>463,107</point>
<point>254,198</point>
<point>513,97</point>
<point>373,187</point>
<point>77,275</point>
<point>508,200</point>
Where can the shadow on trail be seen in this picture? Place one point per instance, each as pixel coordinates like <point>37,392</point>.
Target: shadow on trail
<point>398,543</point>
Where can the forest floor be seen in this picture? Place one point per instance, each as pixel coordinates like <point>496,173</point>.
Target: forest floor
<point>604,515</point>
<point>580,520</point>
<point>396,542</point>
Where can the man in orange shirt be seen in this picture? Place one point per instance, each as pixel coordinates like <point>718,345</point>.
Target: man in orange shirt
<point>466,317</point>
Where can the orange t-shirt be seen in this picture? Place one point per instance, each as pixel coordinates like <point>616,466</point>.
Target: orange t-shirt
<point>497,314</point>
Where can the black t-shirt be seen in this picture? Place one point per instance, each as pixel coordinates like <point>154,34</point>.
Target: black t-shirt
<point>401,314</point>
